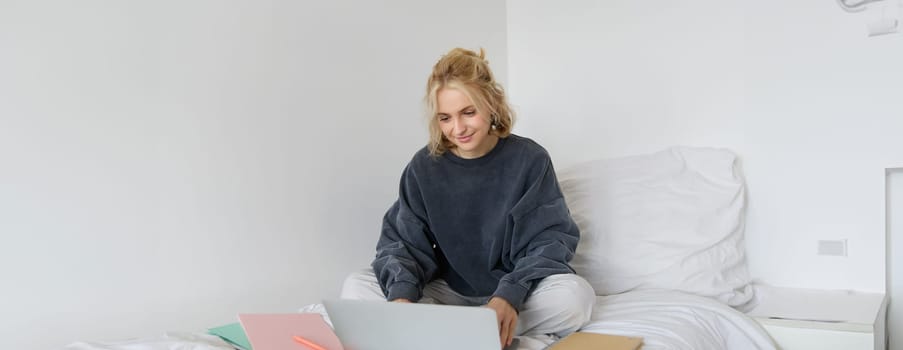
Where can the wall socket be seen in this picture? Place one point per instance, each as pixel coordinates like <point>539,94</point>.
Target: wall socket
<point>832,247</point>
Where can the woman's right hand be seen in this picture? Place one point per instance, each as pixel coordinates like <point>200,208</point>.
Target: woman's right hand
<point>402,300</point>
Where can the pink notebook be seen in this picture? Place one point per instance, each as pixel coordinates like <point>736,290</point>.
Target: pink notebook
<point>276,331</point>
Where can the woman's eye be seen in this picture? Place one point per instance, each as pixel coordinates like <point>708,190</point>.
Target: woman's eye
<point>443,118</point>
<point>470,113</point>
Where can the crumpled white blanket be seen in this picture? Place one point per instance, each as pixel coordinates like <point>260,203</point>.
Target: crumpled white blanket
<point>676,321</point>
<point>168,341</point>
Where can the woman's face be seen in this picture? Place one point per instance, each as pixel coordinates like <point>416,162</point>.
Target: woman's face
<point>463,125</point>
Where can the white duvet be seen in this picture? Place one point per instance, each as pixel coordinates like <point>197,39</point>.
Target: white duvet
<point>664,319</point>
<point>676,320</point>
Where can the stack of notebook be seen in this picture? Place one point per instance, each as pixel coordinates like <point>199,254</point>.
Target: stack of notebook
<point>279,331</point>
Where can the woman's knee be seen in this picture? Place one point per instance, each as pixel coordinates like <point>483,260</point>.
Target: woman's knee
<point>560,304</point>
<point>573,296</point>
<point>362,285</point>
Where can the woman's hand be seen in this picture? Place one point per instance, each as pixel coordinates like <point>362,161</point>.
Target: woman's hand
<point>401,300</point>
<point>507,318</point>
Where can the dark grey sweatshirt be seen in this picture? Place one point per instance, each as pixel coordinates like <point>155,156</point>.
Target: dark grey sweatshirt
<point>490,226</point>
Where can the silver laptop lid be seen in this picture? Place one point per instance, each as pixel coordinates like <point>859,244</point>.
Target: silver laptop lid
<point>379,325</point>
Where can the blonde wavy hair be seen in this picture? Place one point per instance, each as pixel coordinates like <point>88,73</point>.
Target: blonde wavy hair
<point>469,73</point>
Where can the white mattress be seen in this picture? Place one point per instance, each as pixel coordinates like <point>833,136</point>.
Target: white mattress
<point>664,319</point>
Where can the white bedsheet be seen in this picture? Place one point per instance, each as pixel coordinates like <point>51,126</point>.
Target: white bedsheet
<point>664,319</point>
<point>676,320</point>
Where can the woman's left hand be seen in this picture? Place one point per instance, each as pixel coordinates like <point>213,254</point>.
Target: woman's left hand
<point>507,318</point>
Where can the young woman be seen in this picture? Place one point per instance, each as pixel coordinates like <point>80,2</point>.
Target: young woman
<point>480,219</point>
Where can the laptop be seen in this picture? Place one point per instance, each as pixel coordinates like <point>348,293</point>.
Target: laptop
<point>379,325</point>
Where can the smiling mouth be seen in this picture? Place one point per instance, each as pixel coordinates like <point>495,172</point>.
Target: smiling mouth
<point>464,138</point>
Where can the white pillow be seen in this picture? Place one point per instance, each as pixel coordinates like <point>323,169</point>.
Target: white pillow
<point>669,220</point>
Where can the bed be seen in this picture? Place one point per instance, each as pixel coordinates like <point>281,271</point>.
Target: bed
<point>661,243</point>
<point>664,319</point>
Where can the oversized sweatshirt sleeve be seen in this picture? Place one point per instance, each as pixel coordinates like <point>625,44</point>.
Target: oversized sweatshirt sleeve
<point>544,237</point>
<point>405,260</point>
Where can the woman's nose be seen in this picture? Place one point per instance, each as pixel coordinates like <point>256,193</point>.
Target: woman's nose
<point>459,126</point>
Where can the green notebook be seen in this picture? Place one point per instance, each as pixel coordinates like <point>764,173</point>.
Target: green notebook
<point>233,334</point>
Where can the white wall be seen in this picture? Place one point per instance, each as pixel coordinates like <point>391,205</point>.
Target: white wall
<point>895,258</point>
<point>812,105</point>
<point>165,165</point>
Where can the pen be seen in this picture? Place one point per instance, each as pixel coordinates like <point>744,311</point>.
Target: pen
<point>307,343</point>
